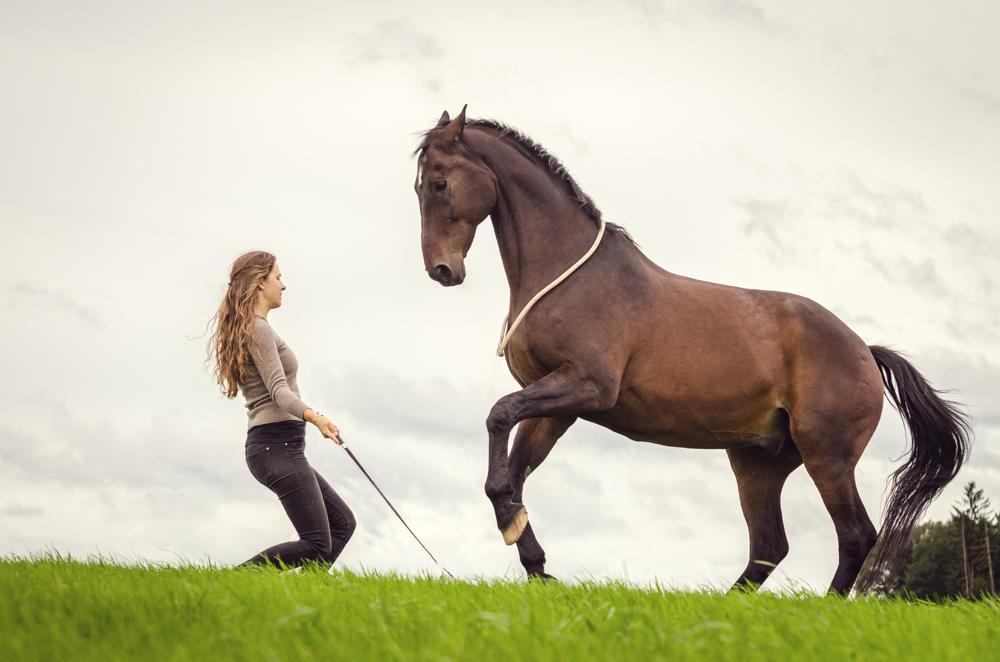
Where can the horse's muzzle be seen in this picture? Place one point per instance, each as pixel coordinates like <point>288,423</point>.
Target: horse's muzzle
<point>443,274</point>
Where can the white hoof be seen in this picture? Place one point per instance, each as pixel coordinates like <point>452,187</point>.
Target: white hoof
<point>512,533</point>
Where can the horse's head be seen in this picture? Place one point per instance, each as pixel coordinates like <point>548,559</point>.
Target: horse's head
<point>457,191</point>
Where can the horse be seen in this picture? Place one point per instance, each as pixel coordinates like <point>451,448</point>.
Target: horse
<point>773,378</point>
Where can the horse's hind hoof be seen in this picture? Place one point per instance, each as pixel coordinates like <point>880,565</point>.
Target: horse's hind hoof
<point>542,577</point>
<point>512,532</point>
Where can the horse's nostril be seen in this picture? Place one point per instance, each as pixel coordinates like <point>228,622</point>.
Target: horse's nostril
<point>443,272</point>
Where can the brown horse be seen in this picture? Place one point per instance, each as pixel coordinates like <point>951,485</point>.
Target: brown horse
<point>773,378</point>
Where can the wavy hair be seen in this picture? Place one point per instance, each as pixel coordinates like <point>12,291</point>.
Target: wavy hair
<point>233,322</point>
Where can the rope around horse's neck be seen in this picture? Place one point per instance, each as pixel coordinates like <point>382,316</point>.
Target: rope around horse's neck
<point>505,337</point>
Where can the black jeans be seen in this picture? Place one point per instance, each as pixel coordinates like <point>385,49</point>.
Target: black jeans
<point>275,455</point>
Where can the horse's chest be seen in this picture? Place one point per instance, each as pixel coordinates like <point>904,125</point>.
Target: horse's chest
<point>525,366</point>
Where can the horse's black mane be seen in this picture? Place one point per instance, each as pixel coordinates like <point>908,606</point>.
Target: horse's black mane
<point>554,165</point>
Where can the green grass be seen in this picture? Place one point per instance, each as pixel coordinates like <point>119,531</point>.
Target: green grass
<point>58,609</point>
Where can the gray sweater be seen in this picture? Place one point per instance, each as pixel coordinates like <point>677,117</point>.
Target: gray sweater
<point>269,387</point>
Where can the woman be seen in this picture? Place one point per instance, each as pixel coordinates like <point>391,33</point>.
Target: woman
<point>251,358</point>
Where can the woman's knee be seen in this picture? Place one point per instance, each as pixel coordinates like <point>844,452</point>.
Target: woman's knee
<point>321,544</point>
<point>348,525</point>
<point>324,550</point>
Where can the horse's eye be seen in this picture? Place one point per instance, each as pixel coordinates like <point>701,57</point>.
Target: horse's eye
<point>440,185</point>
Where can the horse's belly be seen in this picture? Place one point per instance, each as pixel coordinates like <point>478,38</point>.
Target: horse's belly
<point>759,422</point>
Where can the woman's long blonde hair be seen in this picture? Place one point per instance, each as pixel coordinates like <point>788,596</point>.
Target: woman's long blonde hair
<point>233,322</point>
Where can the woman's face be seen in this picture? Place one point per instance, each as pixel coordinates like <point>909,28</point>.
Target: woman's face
<point>271,288</point>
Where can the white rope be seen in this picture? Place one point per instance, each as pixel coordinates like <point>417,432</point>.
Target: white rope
<point>505,337</point>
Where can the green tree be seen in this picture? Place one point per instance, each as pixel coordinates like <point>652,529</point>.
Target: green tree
<point>955,558</point>
<point>974,518</point>
<point>974,504</point>
<point>934,569</point>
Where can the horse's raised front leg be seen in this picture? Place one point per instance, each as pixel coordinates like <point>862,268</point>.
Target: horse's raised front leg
<point>567,391</point>
<point>533,440</point>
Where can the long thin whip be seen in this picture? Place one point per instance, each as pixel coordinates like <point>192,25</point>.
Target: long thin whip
<point>392,507</point>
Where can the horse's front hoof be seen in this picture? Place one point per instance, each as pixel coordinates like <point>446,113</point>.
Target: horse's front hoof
<point>512,532</point>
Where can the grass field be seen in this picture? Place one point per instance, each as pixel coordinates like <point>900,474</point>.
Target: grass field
<point>58,609</point>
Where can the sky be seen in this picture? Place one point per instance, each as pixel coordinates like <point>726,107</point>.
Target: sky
<point>845,152</point>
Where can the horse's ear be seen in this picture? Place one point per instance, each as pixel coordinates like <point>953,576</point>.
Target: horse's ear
<point>455,128</point>
<point>445,118</point>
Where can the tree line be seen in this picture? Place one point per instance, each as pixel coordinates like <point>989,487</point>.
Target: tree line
<point>957,558</point>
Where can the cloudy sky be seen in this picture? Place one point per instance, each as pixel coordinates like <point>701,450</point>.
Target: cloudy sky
<point>846,152</point>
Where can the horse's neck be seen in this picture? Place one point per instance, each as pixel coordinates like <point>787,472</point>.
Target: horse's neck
<point>540,230</point>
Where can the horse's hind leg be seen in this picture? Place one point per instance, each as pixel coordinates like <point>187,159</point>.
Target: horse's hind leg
<point>759,478</point>
<point>855,532</point>
<point>534,439</point>
<point>831,447</point>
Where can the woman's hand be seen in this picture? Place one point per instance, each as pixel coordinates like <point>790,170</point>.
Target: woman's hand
<point>325,426</point>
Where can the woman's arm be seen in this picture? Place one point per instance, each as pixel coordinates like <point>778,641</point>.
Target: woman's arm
<point>264,353</point>
<point>324,425</point>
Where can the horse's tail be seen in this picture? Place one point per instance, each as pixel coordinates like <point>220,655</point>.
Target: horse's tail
<point>940,436</point>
